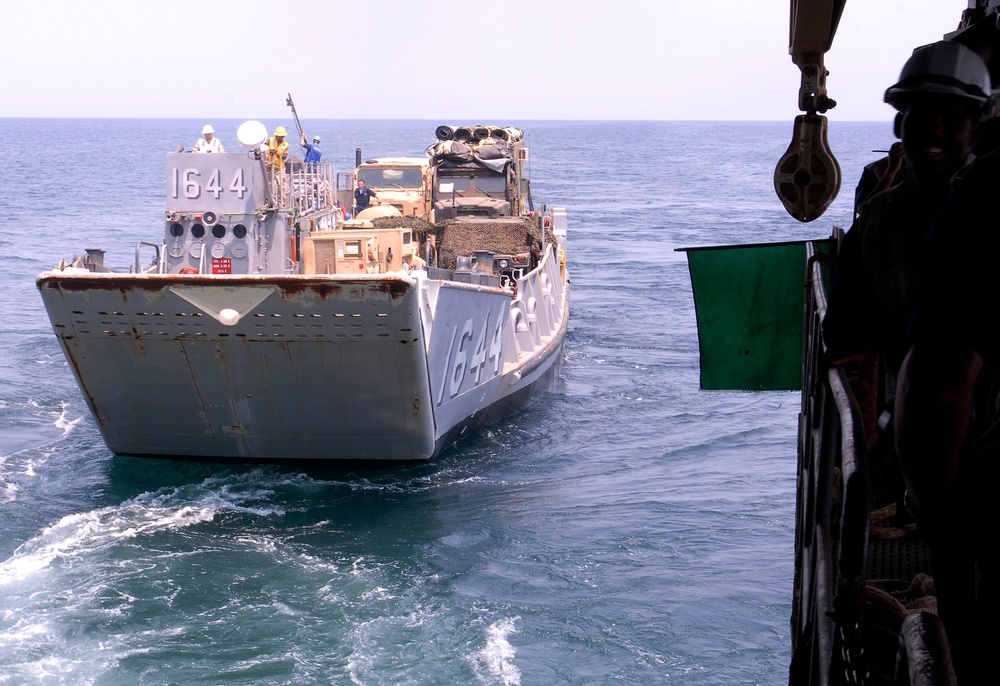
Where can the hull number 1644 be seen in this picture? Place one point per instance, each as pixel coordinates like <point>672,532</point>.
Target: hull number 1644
<point>187,183</point>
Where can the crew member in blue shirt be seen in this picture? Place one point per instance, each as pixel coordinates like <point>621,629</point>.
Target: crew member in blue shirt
<point>362,197</point>
<point>313,153</point>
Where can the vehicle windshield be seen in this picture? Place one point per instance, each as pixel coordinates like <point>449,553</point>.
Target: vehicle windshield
<point>391,177</point>
<point>493,185</point>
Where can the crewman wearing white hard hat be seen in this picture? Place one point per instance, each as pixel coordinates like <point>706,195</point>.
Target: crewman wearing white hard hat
<point>208,142</point>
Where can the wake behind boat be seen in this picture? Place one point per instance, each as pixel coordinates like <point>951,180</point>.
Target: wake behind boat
<point>265,327</point>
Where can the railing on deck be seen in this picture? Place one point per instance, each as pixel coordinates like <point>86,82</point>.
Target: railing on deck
<point>832,512</point>
<point>538,309</point>
<point>306,188</point>
<point>157,262</point>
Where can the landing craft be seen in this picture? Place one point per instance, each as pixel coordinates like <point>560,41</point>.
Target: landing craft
<point>263,327</point>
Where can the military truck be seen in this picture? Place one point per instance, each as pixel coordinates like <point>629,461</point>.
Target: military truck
<point>471,171</point>
<point>473,175</point>
<point>403,182</point>
<point>480,172</point>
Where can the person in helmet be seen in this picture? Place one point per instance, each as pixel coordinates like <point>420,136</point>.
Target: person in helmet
<point>948,413</point>
<point>277,150</point>
<point>941,94</point>
<point>208,142</point>
<point>313,153</point>
<point>944,68</point>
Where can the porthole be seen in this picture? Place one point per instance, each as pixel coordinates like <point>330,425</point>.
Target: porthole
<point>198,231</point>
<point>240,231</point>
<point>176,230</point>
<point>219,231</point>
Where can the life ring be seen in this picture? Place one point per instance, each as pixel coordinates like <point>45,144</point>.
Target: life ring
<point>189,270</point>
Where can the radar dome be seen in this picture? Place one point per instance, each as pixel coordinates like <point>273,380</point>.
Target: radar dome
<point>251,134</point>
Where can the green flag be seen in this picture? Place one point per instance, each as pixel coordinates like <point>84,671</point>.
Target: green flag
<point>749,303</point>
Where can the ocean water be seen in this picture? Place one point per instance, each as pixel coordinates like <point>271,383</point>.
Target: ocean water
<point>627,528</point>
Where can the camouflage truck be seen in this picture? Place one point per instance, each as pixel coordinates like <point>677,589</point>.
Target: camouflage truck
<point>479,171</point>
<point>470,189</point>
<point>471,171</point>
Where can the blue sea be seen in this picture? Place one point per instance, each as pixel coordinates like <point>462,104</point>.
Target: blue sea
<point>627,528</point>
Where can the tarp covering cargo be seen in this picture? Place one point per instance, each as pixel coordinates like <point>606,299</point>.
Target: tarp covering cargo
<point>748,304</point>
<point>492,153</point>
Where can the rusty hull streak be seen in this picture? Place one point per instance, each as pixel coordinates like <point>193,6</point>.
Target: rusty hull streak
<point>89,398</point>
<point>138,338</point>
<point>327,288</point>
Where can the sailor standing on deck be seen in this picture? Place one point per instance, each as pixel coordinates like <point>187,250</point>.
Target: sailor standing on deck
<point>362,197</point>
<point>277,150</point>
<point>941,95</point>
<point>208,142</point>
<point>943,92</point>
<point>313,153</point>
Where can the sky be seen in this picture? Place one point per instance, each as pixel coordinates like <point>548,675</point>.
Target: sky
<point>432,59</point>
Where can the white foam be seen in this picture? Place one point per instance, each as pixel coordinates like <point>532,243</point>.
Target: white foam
<point>78,535</point>
<point>44,449</point>
<point>498,654</point>
<point>66,425</point>
<point>8,492</point>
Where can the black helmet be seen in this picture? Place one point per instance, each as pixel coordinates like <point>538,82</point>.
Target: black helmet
<point>945,68</point>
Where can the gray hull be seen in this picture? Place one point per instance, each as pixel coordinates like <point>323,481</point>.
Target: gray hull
<point>303,368</point>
